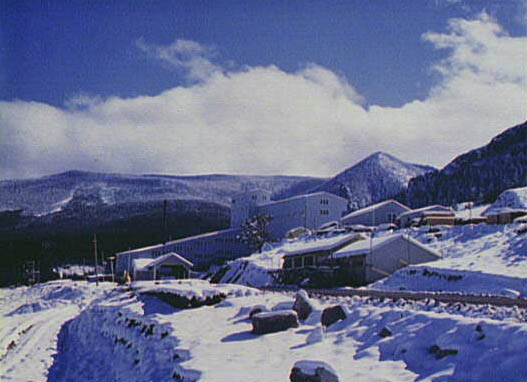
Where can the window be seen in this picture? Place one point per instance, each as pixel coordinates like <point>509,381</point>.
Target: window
<point>297,262</point>
<point>391,217</point>
<point>308,261</point>
<point>357,262</point>
<point>324,212</point>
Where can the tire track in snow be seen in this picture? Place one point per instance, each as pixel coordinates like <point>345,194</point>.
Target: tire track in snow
<point>31,356</point>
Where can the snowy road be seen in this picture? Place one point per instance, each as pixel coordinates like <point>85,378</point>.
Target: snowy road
<point>30,323</point>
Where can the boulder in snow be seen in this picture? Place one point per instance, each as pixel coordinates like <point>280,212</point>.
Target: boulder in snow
<point>313,371</point>
<point>385,332</point>
<point>332,314</point>
<point>271,322</point>
<point>303,305</point>
<point>257,309</point>
<point>441,353</point>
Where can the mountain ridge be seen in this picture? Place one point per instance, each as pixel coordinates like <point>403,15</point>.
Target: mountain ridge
<point>377,177</point>
<point>478,175</point>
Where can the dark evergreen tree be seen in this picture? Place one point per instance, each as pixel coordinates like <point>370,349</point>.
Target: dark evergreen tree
<point>255,233</point>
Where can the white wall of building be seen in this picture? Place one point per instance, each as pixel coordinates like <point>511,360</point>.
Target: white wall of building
<point>244,205</point>
<point>395,255</point>
<point>375,215</point>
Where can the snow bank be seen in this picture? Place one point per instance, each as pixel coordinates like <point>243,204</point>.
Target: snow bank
<point>30,320</point>
<point>476,259</point>
<point>191,288</point>
<point>509,200</point>
<point>118,334</point>
<point>216,344</point>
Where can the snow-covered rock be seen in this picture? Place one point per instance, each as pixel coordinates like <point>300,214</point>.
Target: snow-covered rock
<point>313,371</point>
<point>272,322</point>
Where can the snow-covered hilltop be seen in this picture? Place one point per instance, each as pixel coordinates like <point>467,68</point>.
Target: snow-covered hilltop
<point>376,178</point>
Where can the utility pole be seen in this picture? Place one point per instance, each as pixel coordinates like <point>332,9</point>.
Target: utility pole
<point>111,260</point>
<point>95,254</point>
<point>372,232</point>
<point>165,205</point>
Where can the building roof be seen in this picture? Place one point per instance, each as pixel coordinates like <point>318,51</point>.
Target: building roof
<point>439,213</point>
<point>363,247</point>
<point>320,244</point>
<point>373,207</point>
<point>143,264</point>
<point>182,240</point>
<point>423,209</point>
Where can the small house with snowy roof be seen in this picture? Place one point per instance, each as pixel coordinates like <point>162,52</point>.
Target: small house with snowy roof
<point>315,252</point>
<point>308,262</point>
<point>510,205</point>
<point>168,266</point>
<point>430,215</point>
<point>369,260</point>
<point>376,214</point>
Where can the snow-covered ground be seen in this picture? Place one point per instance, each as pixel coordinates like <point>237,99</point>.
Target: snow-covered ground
<point>476,259</point>
<point>31,319</point>
<point>481,259</point>
<point>75,331</point>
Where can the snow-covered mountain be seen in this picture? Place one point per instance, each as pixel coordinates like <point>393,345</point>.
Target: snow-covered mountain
<point>376,178</point>
<point>478,175</point>
<point>53,193</point>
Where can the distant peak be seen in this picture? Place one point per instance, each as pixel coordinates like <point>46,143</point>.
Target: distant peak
<point>72,173</point>
<point>380,155</point>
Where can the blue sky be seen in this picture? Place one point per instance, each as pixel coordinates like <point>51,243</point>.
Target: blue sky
<point>81,71</point>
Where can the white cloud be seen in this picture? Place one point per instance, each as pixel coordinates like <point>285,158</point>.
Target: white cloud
<point>82,101</point>
<point>184,54</point>
<point>263,120</point>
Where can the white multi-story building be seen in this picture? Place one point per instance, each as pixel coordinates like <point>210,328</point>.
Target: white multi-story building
<point>309,211</point>
<point>245,205</point>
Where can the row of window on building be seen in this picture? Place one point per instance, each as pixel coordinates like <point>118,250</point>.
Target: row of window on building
<point>289,215</point>
<point>194,246</point>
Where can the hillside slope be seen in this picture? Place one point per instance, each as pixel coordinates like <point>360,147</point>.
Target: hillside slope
<point>479,175</point>
<point>49,193</point>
